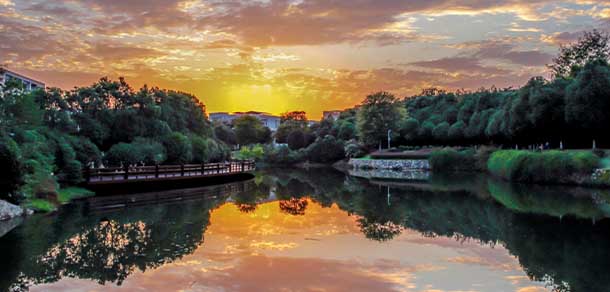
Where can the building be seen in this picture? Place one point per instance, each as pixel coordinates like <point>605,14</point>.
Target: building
<point>270,121</point>
<point>331,115</point>
<point>29,83</point>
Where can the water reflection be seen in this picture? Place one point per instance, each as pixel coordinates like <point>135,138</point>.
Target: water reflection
<point>323,230</point>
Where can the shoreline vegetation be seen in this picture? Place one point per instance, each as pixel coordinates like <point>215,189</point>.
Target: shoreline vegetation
<point>47,137</point>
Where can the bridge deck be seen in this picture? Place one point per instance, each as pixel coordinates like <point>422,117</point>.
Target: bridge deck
<point>166,172</point>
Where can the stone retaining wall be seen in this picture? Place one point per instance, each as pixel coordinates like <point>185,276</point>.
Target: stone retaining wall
<point>395,164</point>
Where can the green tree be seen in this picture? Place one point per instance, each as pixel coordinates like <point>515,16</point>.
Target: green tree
<point>11,173</point>
<point>588,100</point>
<point>378,113</point>
<point>250,130</point>
<point>177,148</point>
<point>592,46</point>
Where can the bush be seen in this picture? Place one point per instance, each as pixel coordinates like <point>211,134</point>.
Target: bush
<point>150,152</point>
<point>177,148</point>
<point>282,155</point>
<point>327,149</point>
<point>122,154</point>
<point>542,167</point>
<point>449,159</point>
<point>354,150</point>
<point>255,152</point>
<point>296,139</point>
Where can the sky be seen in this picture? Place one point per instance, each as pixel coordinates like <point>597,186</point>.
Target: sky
<point>278,56</point>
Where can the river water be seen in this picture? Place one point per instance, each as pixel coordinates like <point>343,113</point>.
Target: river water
<point>320,230</point>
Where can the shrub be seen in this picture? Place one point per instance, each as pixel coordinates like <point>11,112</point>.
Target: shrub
<point>542,167</point>
<point>296,139</point>
<point>449,159</point>
<point>151,152</point>
<point>354,150</point>
<point>327,149</point>
<point>177,148</point>
<point>123,154</point>
<point>255,152</point>
<point>282,155</point>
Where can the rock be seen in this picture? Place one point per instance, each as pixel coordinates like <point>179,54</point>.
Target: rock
<point>9,211</point>
<point>394,164</point>
<point>8,225</point>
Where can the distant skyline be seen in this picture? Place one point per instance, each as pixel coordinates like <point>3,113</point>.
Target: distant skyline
<point>278,56</point>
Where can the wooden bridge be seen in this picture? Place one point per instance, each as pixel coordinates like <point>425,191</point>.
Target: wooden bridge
<point>153,177</point>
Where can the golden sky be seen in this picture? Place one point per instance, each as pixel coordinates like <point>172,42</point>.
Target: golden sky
<point>281,55</point>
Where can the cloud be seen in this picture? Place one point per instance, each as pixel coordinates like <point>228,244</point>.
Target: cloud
<point>469,65</point>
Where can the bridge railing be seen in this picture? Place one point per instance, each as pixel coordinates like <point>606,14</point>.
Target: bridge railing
<point>167,171</point>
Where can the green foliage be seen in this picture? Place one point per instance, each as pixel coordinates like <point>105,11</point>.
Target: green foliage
<point>324,150</point>
<point>378,113</point>
<point>225,134</point>
<point>543,167</point>
<point>296,139</point>
<point>250,130</point>
<point>123,154</point>
<point>588,100</point>
<point>353,149</point>
<point>592,46</point>
<point>11,173</point>
<point>449,159</point>
<point>40,205</point>
<point>65,195</point>
<point>254,152</point>
<point>282,155</point>
<point>200,150</point>
<point>177,148</point>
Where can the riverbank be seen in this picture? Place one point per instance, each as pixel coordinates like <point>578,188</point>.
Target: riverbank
<point>551,167</point>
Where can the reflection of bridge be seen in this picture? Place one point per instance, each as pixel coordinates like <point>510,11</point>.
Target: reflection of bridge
<point>165,176</point>
<point>106,203</point>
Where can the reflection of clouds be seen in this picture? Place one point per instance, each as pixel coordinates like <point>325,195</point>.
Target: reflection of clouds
<point>267,250</point>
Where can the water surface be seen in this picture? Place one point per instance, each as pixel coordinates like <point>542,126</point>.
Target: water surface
<point>320,230</point>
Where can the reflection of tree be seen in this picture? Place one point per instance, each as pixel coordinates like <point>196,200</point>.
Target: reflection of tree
<point>246,208</point>
<point>379,231</point>
<point>247,201</point>
<point>294,206</point>
<point>110,247</point>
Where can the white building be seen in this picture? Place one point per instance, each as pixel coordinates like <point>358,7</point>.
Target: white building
<point>29,83</point>
<point>270,121</point>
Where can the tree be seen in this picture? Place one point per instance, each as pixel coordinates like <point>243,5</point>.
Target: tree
<point>299,116</point>
<point>122,154</point>
<point>592,46</point>
<point>296,139</point>
<point>378,113</point>
<point>250,130</point>
<point>178,148</point>
<point>441,132</point>
<point>11,173</point>
<point>327,149</point>
<point>225,134</point>
<point>588,100</point>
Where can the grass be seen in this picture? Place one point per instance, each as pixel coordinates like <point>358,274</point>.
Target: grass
<point>543,167</point>
<point>448,159</point>
<point>65,195</point>
<point>40,205</point>
<point>605,163</point>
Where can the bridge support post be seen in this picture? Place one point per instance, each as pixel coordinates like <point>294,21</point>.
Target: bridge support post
<point>181,169</point>
<point>242,166</point>
<point>87,173</point>
<point>203,168</point>
<point>126,172</point>
<point>156,171</point>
